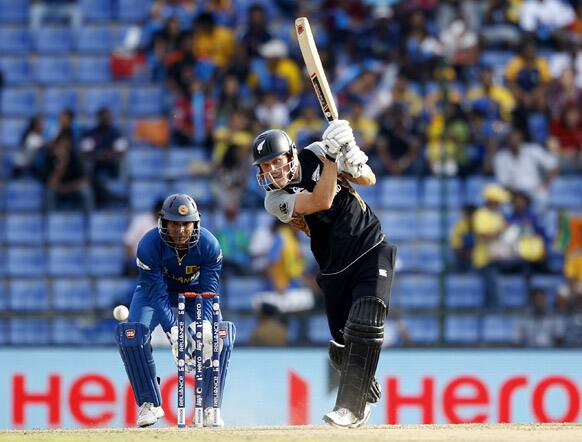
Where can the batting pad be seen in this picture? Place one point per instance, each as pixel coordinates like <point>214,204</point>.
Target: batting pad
<point>133,341</point>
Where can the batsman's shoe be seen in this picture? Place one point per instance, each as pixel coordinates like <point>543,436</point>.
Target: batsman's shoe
<point>209,418</point>
<point>344,418</point>
<point>148,414</point>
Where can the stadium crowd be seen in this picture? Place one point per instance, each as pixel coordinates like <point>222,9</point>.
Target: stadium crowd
<point>482,99</point>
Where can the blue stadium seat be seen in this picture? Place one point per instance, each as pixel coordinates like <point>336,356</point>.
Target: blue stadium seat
<point>14,11</point>
<point>67,261</point>
<point>31,331</point>
<point>20,103</point>
<point>217,221</point>
<point>431,193</point>
<point>497,329</point>
<point>23,195</point>
<point>133,11</point>
<point>14,40</point>
<point>66,228</point>
<point>416,291</point>
<point>4,335</point>
<point>100,333</point>
<point>2,264</point>
<point>550,284</point>
<point>106,260</point>
<point>464,291</point>
<point>3,286</point>
<point>244,328</point>
<point>462,329</point>
<point>54,70</point>
<point>565,193</point>
<point>179,160</point>
<point>72,294</point>
<point>54,40</point>
<point>399,225</point>
<point>240,290</point>
<point>25,261</point>
<point>199,189</point>
<point>29,294</point>
<point>429,223</point>
<point>144,194</point>
<point>10,132</point>
<point>399,193</point>
<point>496,59</point>
<point>17,70</point>
<point>145,163</point>
<point>429,256</point>
<point>318,330</point>
<point>24,229</point>
<point>67,331</point>
<point>96,10</point>
<point>98,97</point>
<point>95,40</point>
<point>145,101</point>
<point>110,292</point>
<point>422,329</point>
<point>107,227</point>
<point>94,70</point>
<point>512,291</point>
<point>407,257</point>
<point>369,194</point>
<point>474,189</point>
<point>57,99</point>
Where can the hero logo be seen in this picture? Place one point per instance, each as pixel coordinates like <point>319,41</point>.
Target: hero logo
<point>130,333</point>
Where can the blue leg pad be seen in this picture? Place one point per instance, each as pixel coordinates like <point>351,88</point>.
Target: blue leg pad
<point>133,340</point>
<point>227,332</point>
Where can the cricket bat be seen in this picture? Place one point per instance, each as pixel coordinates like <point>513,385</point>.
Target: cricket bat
<point>315,69</point>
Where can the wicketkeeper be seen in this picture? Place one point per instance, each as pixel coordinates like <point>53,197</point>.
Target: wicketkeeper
<point>178,256</point>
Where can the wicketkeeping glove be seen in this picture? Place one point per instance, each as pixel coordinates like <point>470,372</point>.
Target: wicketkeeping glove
<point>337,134</point>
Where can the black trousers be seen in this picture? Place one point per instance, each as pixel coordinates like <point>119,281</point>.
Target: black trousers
<point>371,275</point>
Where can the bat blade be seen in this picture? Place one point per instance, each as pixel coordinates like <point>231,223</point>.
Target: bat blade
<point>315,68</point>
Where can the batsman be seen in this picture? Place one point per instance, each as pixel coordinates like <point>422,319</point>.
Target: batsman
<point>178,256</point>
<point>312,190</point>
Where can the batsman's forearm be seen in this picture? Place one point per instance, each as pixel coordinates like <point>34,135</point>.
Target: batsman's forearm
<point>324,190</point>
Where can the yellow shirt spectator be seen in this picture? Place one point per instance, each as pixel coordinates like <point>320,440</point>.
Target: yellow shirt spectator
<point>497,93</point>
<point>217,45</point>
<point>516,64</point>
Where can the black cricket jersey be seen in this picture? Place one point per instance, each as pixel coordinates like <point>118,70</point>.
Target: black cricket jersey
<point>339,235</point>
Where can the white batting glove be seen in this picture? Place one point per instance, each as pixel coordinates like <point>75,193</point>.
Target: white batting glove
<point>337,134</point>
<point>355,170</point>
<point>356,157</point>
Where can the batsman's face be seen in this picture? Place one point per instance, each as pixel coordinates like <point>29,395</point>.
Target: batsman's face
<point>276,172</point>
<point>180,232</point>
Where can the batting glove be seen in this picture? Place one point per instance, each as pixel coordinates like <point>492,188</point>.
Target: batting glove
<point>337,134</point>
<point>355,170</point>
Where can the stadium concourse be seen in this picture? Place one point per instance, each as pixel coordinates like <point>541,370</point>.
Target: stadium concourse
<point>410,76</point>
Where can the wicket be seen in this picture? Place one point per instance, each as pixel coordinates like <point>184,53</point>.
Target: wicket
<point>198,358</point>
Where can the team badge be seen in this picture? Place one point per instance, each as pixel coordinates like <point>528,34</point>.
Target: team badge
<point>183,210</point>
<point>190,270</point>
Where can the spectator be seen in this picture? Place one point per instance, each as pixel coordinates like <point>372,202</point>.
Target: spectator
<point>65,177</point>
<point>398,146</point>
<point>421,49</point>
<point>211,42</point>
<point>500,27</point>
<point>229,100</point>
<point>488,226</point>
<point>65,124</point>
<point>539,328</point>
<point>566,140</point>
<point>463,239</point>
<point>31,143</point>
<point>271,111</point>
<point>495,99</point>
<point>570,235</point>
<point>234,242</point>
<point>275,71</point>
<point>563,93</point>
<point>270,330</point>
<point>104,148</point>
<point>544,17</point>
<point>138,227</point>
<point>365,128</point>
<point>407,97</point>
<point>525,167</point>
<point>286,261</point>
<point>256,33</point>
<point>193,116</point>
<point>528,77</point>
<point>307,127</point>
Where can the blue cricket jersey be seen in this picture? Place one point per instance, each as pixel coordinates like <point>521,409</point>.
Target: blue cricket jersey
<point>162,275</point>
